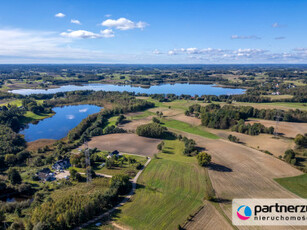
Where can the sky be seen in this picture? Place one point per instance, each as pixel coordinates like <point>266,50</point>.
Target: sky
<point>153,31</point>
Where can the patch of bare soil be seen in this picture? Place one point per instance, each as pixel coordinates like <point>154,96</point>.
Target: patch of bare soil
<point>208,218</point>
<point>276,146</point>
<point>34,145</point>
<point>124,142</point>
<point>288,129</point>
<point>132,125</point>
<point>187,119</point>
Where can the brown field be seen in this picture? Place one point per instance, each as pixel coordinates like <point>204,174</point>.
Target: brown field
<point>187,119</point>
<point>287,129</point>
<point>34,145</point>
<point>132,125</point>
<point>208,218</point>
<point>124,142</point>
<point>261,142</point>
<point>242,172</point>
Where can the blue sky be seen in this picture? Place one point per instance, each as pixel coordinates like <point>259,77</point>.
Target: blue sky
<point>153,32</point>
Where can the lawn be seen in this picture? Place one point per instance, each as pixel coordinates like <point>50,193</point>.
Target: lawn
<point>176,104</point>
<point>185,127</point>
<point>30,116</point>
<point>297,184</point>
<point>144,114</point>
<point>126,168</point>
<point>170,189</point>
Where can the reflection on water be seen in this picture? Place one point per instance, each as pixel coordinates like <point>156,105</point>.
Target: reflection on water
<point>178,89</point>
<point>58,126</point>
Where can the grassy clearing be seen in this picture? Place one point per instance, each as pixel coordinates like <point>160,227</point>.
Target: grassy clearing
<point>141,115</point>
<point>170,188</point>
<point>185,127</point>
<point>274,105</point>
<point>112,121</point>
<point>278,97</point>
<point>297,184</point>
<point>126,168</point>
<point>98,184</point>
<point>30,116</point>
<point>176,104</point>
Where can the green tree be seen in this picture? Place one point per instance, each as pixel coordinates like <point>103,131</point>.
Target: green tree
<point>204,159</point>
<point>14,176</point>
<point>301,140</point>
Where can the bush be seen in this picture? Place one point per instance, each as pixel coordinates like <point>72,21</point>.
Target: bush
<point>121,182</point>
<point>160,146</point>
<point>233,138</point>
<point>301,140</point>
<point>290,156</point>
<point>153,130</point>
<point>156,120</point>
<point>204,159</point>
<point>14,176</point>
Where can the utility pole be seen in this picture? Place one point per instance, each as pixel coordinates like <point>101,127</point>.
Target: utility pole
<point>88,163</point>
<point>277,119</point>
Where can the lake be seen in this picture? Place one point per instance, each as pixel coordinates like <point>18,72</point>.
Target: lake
<point>178,89</point>
<point>58,126</point>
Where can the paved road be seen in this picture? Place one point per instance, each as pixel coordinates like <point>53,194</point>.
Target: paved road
<point>127,197</point>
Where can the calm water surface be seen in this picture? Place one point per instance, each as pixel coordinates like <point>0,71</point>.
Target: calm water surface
<point>58,126</point>
<point>178,89</point>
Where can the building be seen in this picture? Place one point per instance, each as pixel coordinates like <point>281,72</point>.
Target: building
<point>45,175</point>
<point>114,153</point>
<point>61,164</point>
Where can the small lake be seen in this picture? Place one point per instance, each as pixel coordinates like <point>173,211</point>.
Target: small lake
<point>178,89</point>
<point>58,126</point>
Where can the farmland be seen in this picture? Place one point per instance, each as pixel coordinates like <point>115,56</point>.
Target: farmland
<point>297,185</point>
<point>171,187</point>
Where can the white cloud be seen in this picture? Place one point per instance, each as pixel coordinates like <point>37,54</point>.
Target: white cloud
<point>249,55</point>
<point>124,24</point>
<point>245,37</point>
<point>156,51</point>
<point>59,15</point>
<point>75,21</point>
<point>108,33</point>
<point>277,25</point>
<point>70,117</point>
<point>108,15</point>
<point>171,52</point>
<point>23,46</point>
<point>83,110</point>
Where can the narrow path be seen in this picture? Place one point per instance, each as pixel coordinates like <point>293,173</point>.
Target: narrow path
<point>127,198</point>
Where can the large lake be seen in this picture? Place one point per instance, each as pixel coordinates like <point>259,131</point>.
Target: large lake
<point>178,89</point>
<point>58,126</point>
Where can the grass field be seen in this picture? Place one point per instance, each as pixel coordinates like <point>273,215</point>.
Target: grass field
<point>297,184</point>
<point>30,116</point>
<point>182,126</point>
<point>144,114</point>
<point>170,188</point>
<point>126,168</point>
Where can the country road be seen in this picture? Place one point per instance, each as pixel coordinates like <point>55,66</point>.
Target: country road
<point>127,197</point>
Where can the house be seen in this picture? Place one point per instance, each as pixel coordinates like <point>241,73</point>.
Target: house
<point>45,175</point>
<point>114,153</point>
<point>61,164</point>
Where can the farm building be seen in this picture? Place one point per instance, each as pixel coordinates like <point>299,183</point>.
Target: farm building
<point>45,175</point>
<point>114,153</point>
<point>61,164</point>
